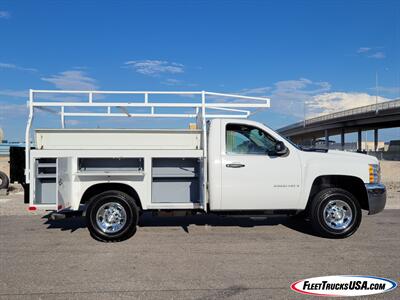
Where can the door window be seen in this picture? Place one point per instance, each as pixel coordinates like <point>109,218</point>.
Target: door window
<point>246,139</point>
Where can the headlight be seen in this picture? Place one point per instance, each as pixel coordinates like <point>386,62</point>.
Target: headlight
<point>374,173</point>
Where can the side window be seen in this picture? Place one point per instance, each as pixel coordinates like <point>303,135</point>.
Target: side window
<point>245,139</point>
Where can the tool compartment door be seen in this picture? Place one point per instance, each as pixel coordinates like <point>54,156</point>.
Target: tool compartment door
<point>64,182</point>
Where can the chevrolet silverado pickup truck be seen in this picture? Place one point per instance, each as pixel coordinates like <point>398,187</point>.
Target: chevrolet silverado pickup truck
<point>223,164</point>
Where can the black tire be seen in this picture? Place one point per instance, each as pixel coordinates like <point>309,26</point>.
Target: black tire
<point>335,197</point>
<point>4,181</point>
<point>117,199</point>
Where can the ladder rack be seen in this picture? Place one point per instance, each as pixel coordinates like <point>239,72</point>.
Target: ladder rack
<point>201,110</point>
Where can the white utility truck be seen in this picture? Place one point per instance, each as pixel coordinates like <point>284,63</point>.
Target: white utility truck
<point>223,164</point>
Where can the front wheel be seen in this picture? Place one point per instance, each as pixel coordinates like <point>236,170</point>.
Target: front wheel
<point>112,216</point>
<point>335,213</point>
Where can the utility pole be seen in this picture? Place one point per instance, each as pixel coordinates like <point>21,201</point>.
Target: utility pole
<point>377,92</point>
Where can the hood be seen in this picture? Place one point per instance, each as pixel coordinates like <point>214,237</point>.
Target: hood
<point>344,155</point>
<point>371,159</point>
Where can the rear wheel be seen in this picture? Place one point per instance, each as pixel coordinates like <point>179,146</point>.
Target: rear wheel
<point>4,181</point>
<point>112,216</point>
<point>335,213</point>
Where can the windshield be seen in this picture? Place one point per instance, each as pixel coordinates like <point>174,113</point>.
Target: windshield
<point>286,139</point>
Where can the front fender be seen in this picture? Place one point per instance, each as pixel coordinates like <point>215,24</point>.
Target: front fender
<point>320,165</point>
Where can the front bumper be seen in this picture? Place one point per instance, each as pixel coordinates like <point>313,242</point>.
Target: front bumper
<point>376,197</point>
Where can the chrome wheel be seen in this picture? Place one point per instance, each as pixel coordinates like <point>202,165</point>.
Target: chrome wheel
<point>111,217</point>
<point>338,214</point>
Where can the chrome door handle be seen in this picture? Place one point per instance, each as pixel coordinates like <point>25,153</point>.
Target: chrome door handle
<point>235,165</point>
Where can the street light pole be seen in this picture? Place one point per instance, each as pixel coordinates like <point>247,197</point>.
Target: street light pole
<point>377,92</point>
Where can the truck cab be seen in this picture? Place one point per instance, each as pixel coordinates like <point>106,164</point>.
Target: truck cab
<point>254,168</point>
<point>241,149</point>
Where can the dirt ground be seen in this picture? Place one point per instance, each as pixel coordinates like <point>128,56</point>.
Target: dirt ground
<point>391,178</point>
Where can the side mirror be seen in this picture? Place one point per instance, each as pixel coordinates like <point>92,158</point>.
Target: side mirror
<point>280,148</point>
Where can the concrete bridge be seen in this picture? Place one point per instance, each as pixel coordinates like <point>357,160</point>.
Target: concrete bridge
<point>370,117</point>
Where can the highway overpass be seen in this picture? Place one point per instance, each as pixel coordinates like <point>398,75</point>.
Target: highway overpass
<point>370,117</point>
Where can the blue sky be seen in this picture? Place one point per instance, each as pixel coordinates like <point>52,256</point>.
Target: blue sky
<point>326,53</point>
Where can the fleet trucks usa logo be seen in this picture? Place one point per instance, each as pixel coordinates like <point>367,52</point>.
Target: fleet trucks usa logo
<point>343,285</point>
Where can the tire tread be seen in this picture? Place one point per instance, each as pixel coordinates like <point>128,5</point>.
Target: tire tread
<point>314,211</point>
<point>110,239</point>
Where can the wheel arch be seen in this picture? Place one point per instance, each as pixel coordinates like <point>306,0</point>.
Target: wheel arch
<point>108,186</point>
<point>352,184</point>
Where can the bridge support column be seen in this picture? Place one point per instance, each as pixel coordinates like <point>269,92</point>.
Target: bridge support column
<point>376,139</point>
<point>342,139</point>
<point>359,140</point>
<point>326,139</point>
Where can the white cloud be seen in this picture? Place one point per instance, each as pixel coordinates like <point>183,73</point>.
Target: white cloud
<point>72,80</point>
<point>14,93</point>
<point>154,67</point>
<point>25,94</point>
<point>172,81</point>
<point>301,86</point>
<point>256,91</point>
<point>371,52</point>
<point>4,14</point>
<point>327,103</point>
<point>8,107</point>
<point>289,96</point>
<point>10,112</point>
<point>292,97</point>
<point>176,82</point>
<point>387,90</point>
<point>378,55</point>
<point>363,49</point>
<point>15,67</point>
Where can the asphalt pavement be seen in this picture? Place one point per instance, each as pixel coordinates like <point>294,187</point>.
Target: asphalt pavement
<point>200,257</point>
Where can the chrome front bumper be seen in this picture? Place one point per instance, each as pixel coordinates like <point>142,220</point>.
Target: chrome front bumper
<point>376,197</point>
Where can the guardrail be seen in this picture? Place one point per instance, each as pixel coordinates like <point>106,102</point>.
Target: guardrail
<point>345,113</point>
<point>358,110</point>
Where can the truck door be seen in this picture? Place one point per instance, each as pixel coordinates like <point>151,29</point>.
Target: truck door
<point>64,182</point>
<point>253,177</point>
